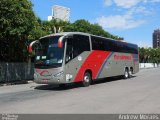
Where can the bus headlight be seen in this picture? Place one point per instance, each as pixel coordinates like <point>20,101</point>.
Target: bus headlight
<point>68,77</point>
<point>35,76</point>
<point>60,74</point>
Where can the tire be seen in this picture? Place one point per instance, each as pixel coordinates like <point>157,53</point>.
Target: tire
<point>130,73</point>
<point>126,74</point>
<point>86,79</point>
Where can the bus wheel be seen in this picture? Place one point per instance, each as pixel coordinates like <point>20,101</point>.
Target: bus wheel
<point>86,80</point>
<point>130,73</point>
<point>126,73</point>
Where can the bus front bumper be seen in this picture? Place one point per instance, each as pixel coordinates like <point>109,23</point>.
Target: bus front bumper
<point>50,79</point>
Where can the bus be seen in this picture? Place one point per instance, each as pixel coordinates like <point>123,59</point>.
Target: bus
<point>76,57</point>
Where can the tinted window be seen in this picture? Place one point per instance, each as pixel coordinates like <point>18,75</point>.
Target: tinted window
<point>111,45</point>
<point>76,45</point>
<point>81,44</point>
<point>97,43</point>
<point>48,54</point>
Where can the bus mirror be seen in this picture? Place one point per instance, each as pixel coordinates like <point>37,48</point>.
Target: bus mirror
<point>30,48</point>
<point>60,42</point>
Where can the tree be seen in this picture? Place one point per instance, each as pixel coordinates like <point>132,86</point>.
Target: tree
<point>82,26</point>
<point>155,56</point>
<point>56,26</point>
<point>87,27</point>
<point>16,21</point>
<point>150,55</point>
<point>38,31</point>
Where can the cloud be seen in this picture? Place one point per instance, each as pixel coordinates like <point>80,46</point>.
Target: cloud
<point>141,10</point>
<point>122,3</point>
<point>126,3</point>
<point>120,22</point>
<point>144,44</point>
<point>107,2</point>
<point>133,17</point>
<point>153,1</point>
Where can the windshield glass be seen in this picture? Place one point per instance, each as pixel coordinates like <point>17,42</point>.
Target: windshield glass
<point>48,54</point>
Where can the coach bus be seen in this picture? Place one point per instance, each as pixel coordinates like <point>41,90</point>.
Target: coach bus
<point>72,57</point>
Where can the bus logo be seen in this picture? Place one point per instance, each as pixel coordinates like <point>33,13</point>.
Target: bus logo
<point>45,73</point>
<point>79,58</point>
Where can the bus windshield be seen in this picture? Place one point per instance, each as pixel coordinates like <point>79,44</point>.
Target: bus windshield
<point>48,54</point>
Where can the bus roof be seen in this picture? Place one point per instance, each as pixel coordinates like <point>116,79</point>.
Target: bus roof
<point>82,33</point>
<point>66,33</point>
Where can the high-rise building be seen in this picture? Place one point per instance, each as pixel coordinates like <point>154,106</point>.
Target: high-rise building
<point>60,12</point>
<point>156,38</point>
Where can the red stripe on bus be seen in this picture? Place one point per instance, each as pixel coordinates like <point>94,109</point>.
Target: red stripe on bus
<point>93,62</point>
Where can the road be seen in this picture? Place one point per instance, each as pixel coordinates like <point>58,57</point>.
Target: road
<point>140,94</point>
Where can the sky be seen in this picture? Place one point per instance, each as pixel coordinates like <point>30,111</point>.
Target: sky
<point>134,20</point>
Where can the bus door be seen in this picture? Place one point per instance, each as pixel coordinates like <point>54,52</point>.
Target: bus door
<point>76,52</point>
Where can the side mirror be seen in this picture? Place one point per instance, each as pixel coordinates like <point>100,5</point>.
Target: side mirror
<point>30,48</point>
<point>60,42</point>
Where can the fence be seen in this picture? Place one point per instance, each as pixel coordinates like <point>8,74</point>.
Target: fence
<point>148,65</point>
<point>10,72</point>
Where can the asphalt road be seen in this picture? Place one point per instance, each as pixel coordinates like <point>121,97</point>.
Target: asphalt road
<point>140,94</point>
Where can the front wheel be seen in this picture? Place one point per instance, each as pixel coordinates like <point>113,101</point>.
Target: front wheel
<point>86,79</point>
<point>126,74</point>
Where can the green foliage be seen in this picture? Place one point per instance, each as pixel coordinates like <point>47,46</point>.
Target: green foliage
<point>54,26</point>
<point>85,26</point>
<point>16,21</point>
<point>37,31</point>
<point>149,55</point>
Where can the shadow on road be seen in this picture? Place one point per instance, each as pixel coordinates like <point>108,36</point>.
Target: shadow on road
<point>110,79</point>
<point>78,85</point>
<point>56,87</point>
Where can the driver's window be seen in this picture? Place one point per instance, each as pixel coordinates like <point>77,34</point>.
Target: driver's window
<point>76,45</point>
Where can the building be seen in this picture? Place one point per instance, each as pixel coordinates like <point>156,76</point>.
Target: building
<point>60,12</point>
<point>156,38</point>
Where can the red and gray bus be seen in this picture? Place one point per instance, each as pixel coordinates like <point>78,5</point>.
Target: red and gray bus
<point>72,57</point>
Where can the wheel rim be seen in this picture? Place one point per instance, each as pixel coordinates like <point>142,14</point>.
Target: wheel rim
<point>86,79</point>
<point>126,74</point>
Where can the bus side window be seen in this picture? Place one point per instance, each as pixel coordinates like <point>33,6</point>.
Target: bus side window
<point>81,44</point>
<point>76,45</point>
<point>98,43</point>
